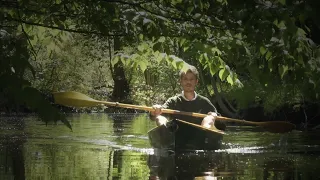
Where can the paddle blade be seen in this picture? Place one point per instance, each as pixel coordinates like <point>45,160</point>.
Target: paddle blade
<point>74,99</point>
<point>278,126</point>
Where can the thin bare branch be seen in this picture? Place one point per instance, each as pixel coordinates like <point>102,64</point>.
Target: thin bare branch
<point>64,29</point>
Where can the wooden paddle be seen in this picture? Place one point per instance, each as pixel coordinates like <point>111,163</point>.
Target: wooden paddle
<point>76,99</point>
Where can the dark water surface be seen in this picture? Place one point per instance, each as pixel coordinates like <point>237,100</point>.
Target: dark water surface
<point>116,146</point>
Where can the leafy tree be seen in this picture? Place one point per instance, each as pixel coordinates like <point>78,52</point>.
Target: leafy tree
<point>260,44</point>
<point>15,90</point>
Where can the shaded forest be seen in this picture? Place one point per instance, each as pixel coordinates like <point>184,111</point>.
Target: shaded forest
<point>258,60</point>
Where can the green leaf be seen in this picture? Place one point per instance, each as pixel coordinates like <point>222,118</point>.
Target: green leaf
<point>141,36</point>
<point>215,50</point>
<point>36,101</point>
<point>301,32</point>
<point>300,61</point>
<point>247,51</point>
<point>141,48</point>
<point>180,64</point>
<point>283,70</point>
<point>123,59</point>
<point>281,25</point>
<point>196,16</point>
<point>115,60</point>
<point>146,21</point>
<point>229,79</point>
<point>270,65</point>
<point>190,9</point>
<point>161,39</point>
<point>213,69</point>
<point>262,50</point>
<point>160,57</point>
<point>175,2</point>
<point>205,55</point>
<point>223,73</point>
<point>186,48</point>
<point>182,41</point>
<point>142,65</point>
<point>268,55</point>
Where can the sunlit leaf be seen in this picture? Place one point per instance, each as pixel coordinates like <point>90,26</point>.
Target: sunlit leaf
<point>161,39</point>
<point>301,32</point>
<point>247,50</point>
<point>197,15</point>
<point>281,25</point>
<point>229,79</point>
<point>142,65</point>
<point>146,21</point>
<point>115,60</point>
<point>205,55</point>
<point>262,50</point>
<point>268,55</point>
<point>182,41</point>
<point>283,70</point>
<point>216,51</point>
<point>141,36</point>
<point>213,69</point>
<point>141,48</point>
<point>223,73</point>
<point>180,64</point>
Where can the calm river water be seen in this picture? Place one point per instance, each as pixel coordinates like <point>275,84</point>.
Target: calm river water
<point>116,146</point>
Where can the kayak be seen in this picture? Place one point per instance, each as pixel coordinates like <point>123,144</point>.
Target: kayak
<point>181,135</point>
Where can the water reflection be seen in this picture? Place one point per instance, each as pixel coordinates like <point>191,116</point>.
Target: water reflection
<point>188,165</point>
<point>115,146</point>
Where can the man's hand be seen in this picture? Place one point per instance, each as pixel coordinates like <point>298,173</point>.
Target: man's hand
<point>213,114</point>
<point>208,121</point>
<point>157,110</point>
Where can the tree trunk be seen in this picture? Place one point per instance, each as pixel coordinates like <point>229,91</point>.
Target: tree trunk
<point>223,107</point>
<point>226,101</point>
<point>121,88</point>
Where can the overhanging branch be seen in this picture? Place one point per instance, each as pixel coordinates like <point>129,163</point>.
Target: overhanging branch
<point>64,29</point>
<point>180,19</point>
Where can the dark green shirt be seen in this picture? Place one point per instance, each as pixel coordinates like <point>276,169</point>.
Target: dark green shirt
<point>200,104</point>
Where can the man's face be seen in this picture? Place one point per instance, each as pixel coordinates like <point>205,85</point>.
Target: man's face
<point>188,82</point>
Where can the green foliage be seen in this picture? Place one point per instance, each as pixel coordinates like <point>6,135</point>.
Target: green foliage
<point>251,43</point>
<point>75,63</point>
<point>152,74</point>
<point>14,89</point>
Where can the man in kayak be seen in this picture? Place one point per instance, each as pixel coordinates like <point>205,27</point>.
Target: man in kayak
<point>189,101</point>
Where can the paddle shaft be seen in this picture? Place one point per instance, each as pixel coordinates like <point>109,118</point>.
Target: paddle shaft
<point>76,99</point>
<point>170,111</point>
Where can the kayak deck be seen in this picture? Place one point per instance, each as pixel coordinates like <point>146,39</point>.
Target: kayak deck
<point>180,135</point>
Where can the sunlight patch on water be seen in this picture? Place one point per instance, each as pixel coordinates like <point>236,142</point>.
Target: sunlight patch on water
<point>243,150</point>
<point>114,145</point>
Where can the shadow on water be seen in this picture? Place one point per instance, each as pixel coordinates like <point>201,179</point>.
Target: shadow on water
<point>11,148</point>
<point>188,165</point>
<point>115,146</point>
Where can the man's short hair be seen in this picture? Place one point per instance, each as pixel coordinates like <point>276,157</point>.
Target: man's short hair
<point>191,69</point>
